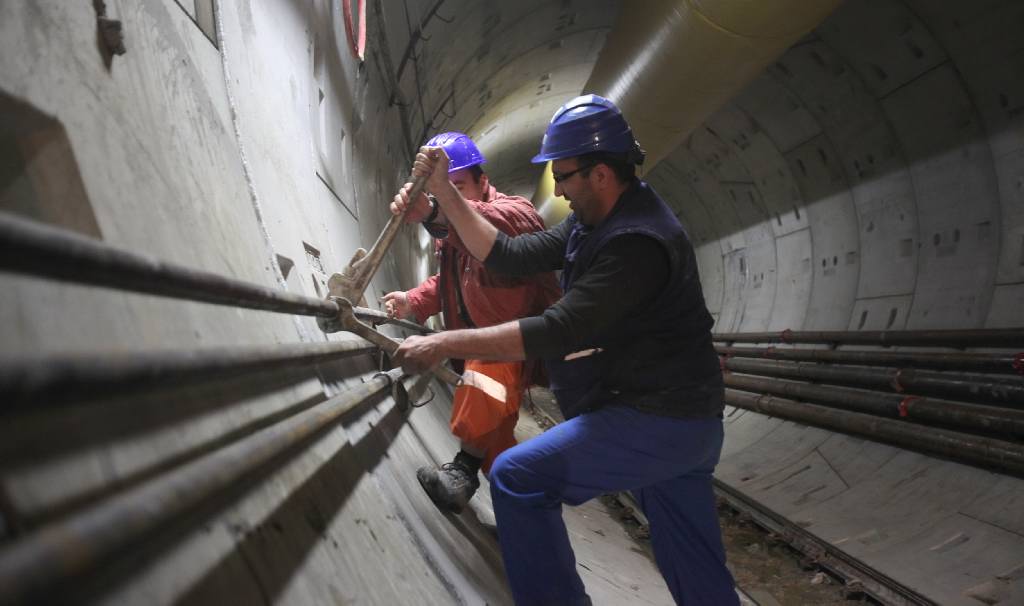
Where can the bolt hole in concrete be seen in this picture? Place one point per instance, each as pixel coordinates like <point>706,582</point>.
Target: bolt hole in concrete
<point>39,177</point>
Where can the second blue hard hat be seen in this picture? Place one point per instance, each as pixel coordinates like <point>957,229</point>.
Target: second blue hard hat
<point>588,123</point>
<point>462,152</point>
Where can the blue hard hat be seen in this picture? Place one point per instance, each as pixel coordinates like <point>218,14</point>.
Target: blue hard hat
<point>589,123</point>
<point>462,152</point>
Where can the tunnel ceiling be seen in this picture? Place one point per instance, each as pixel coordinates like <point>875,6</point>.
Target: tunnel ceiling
<point>497,70</point>
<point>868,179</point>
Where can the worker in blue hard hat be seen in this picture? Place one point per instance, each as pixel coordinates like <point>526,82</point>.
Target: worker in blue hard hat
<point>629,354</point>
<point>484,411</point>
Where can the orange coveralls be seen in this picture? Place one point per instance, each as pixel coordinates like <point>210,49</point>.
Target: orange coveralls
<point>470,296</point>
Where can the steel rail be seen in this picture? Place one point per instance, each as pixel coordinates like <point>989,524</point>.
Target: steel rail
<point>37,564</point>
<point>60,380</point>
<point>1005,391</point>
<point>983,337</point>
<point>858,575</point>
<point>976,450</point>
<point>960,415</point>
<point>966,362</point>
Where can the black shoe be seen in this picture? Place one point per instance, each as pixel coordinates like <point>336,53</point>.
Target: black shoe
<point>450,487</point>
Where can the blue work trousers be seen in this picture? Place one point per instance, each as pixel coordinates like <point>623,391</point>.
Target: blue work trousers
<point>667,463</point>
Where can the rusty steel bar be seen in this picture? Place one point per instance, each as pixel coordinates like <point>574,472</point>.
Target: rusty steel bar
<point>992,389</point>
<point>30,248</point>
<point>982,337</point>
<point>374,316</point>
<point>965,362</point>
<point>60,380</point>
<point>976,450</point>
<point>959,415</point>
<point>350,323</point>
<point>35,565</point>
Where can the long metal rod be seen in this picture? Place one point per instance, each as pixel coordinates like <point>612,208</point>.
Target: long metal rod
<point>989,337</point>
<point>374,316</point>
<point>976,450</point>
<point>34,565</point>
<point>1006,391</point>
<point>959,415</point>
<point>34,249</point>
<point>59,380</point>
<point>352,324</point>
<point>966,362</point>
<point>27,247</point>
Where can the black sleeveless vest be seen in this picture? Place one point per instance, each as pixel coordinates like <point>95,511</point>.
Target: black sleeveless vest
<point>660,358</point>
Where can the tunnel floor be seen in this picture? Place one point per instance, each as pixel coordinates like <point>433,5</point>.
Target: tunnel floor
<point>768,572</point>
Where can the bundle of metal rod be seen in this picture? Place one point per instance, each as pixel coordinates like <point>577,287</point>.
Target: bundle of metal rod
<point>374,316</point>
<point>994,389</point>
<point>959,415</point>
<point>61,380</point>
<point>34,249</point>
<point>991,337</point>
<point>37,564</point>
<point>967,362</point>
<point>30,248</point>
<point>977,450</point>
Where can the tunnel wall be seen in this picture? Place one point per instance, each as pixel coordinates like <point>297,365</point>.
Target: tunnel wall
<point>870,179</point>
<point>248,142</point>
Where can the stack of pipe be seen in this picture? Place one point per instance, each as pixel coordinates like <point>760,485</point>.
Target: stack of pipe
<point>966,406</point>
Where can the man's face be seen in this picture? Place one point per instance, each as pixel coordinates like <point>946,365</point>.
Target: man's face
<point>470,188</point>
<point>576,188</point>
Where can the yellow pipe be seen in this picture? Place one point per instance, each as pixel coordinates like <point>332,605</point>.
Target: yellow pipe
<point>670,64</point>
<point>551,208</point>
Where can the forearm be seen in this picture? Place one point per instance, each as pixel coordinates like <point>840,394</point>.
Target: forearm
<point>501,342</point>
<point>476,232</point>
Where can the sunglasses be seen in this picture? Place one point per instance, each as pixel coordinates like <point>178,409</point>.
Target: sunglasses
<point>564,176</point>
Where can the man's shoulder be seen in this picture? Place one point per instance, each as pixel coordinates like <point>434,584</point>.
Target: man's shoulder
<point>512,207</point>
<point>500,198</point>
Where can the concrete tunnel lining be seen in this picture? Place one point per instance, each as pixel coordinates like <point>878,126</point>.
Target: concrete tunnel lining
<point>851,185</point>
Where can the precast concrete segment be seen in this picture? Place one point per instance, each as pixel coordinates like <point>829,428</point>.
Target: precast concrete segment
<point>42,561</point>
<point>947,531</point>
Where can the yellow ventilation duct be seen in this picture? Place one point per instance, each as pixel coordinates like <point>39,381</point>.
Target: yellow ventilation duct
<point>669,64</point>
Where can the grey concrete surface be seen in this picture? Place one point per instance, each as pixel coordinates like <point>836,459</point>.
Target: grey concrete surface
<point>870,179</point>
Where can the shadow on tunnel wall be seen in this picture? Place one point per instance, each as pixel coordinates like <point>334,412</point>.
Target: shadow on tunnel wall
<point>266,555</point>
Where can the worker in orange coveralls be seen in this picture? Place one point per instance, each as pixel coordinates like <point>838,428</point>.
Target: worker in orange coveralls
<point>486,407</point>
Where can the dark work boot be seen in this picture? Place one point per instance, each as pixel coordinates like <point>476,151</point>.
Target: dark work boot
<point>451,486</point>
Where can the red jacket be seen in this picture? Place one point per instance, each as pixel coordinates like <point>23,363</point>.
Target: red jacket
<point>489,298</point>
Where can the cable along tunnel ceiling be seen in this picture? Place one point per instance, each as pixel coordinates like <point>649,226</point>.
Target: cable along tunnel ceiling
<point>871,178</point>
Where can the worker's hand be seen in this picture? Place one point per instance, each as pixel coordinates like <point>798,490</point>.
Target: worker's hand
<point>432,162</point>
<point>419,209</point>
<point>396,304</point>
<point>417,355</point>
